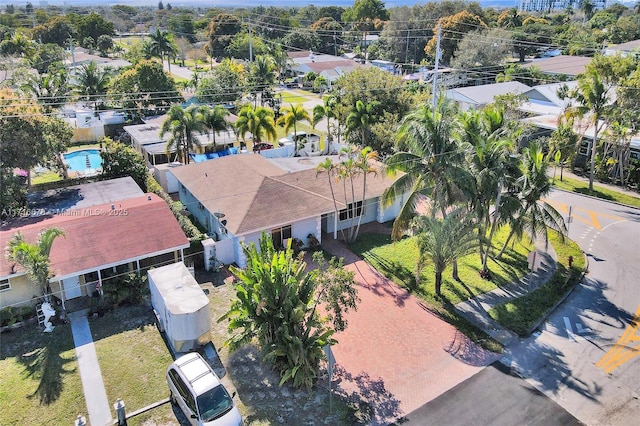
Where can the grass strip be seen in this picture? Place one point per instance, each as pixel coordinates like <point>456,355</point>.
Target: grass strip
<point>521,314</point>
<point>580,187</point>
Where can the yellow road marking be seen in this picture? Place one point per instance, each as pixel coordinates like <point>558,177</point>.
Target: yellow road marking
<point>594,219</point>
<point>621,352</point>
<point>578,212</point>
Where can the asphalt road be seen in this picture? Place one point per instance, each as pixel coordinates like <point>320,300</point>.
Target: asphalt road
<point>491,397</point>
<point>586,358</point>
<point>570,359</point>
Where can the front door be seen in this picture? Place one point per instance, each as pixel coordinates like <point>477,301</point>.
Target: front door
<point>72,288</point>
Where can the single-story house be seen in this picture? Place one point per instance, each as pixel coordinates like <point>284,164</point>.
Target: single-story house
<point>329,66</point>
<point>82,56</point>
<point>477,97</point>
<point>624,49</point>
<point>146,139</point>
<point>560,65</point>
<point>100,241</point>
<point>236,198</point>
<point>544,100</point>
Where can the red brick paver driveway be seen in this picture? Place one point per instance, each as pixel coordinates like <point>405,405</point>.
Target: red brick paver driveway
<point>395,355</point>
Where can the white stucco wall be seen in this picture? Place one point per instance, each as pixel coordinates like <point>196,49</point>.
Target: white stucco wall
<point>390,212</point>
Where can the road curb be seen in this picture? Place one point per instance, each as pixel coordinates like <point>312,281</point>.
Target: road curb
<point>546,316</point>
<point>596,198</point>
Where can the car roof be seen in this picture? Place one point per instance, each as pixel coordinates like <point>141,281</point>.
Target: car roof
<point>197,372</point>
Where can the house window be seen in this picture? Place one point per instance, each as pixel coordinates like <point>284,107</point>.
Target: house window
<point>4,285</point>
<point>584,148</point>
<point>280,235</point>
<point>352,211</point>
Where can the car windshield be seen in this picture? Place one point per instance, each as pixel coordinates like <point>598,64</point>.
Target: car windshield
<point>214,403</point>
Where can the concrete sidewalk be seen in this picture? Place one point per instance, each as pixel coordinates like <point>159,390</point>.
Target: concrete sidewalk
<point>476,309</point>
<point>92,385</point>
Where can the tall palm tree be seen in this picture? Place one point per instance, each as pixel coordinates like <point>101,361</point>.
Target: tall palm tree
<point>592,95</point>
<point>92,82</point>
<point>492,161</point>
<point>182,125</point>
<point>331,169</point>
<point>431,160</point>
<point>290,117</point>
<point>161,44</point>
<point>262,75</point>
<point>364,159</point>
<point>443,241</point>
<point>533,215</point>
<point>257,121</point>
<point>282,62</point>
<point>34,258</point>
<point>361,118</point>
<point>325,111</point>
<point>215,119</point>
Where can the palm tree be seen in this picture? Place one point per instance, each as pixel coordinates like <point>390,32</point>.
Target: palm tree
<point>215,119</point>
<point>363,163</point>
<point>182,125</point>
<point>34,258</point>
<point>262,75</point>
<point>431,160</point>
<point>325,111</point>
<point>533,215</point>
<point>92,82</point>
<point>361,118</point>
<point>161,44</point>
<point>49,89</point>
<point>492,161</point>
<point>328,167</point>
<point>443,241</point>
<point>290,117</point>
<point>592,97</point>
<point>282,62</point>
<point>257,121</point>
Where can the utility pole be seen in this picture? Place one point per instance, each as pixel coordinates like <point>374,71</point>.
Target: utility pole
<point>250,42</point>
<point>73,57</point>
<point>335,45</point>
<point>435,70</point>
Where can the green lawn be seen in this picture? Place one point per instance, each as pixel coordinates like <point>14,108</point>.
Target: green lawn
<point>133,359</point>
<point>45,177</point>
<point>522,313</point>
<point>292,98</point>
<point>40,379</point>
<point>397,260</point>
<point>581,187</point>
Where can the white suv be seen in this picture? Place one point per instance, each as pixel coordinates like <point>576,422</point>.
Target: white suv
<point>197,390</point>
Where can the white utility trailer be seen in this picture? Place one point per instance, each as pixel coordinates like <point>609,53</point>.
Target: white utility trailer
<point>180,306</point>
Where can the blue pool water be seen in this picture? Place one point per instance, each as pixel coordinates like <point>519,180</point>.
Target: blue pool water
<point>77,160</point>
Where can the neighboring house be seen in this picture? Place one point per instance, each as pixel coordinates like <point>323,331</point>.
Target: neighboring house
<point>476,97</point>
<point>329,66</point>
<point>624,49</point>
<point>82,56</point>
<point>101,240</point>
<point>89,126</point>
<point>237,198</point>
<point>543,99</point>
<point>385,65</point>
<point>562,65</point>
<point>146,139</point>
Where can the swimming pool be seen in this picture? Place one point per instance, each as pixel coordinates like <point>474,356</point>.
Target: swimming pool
<point>83,161</point>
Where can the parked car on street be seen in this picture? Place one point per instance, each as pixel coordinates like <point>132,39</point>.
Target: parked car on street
<point>261,146</point>
<point>197,390</point>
